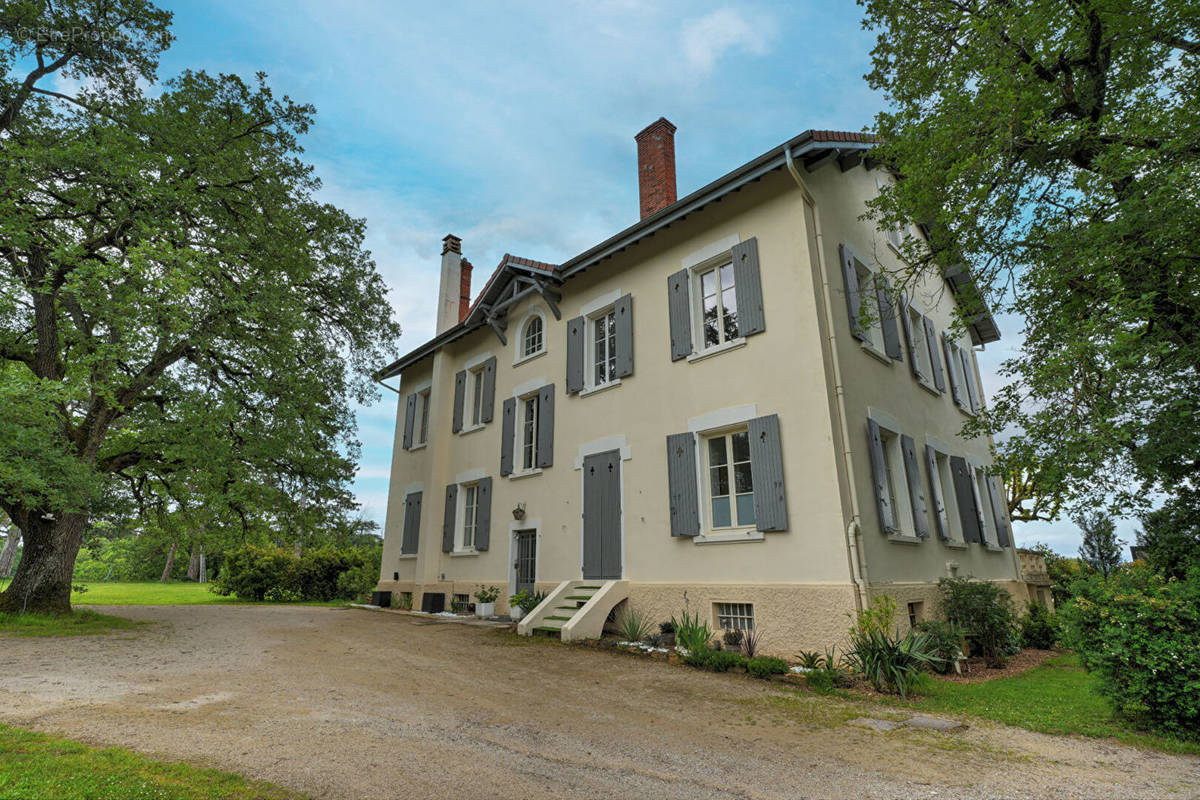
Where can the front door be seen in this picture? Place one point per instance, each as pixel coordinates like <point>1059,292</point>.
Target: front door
<point>602,516</point>
<point>526,565</point>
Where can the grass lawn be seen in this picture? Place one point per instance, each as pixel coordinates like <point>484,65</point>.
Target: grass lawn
<point>78,623</point>
<point>33,765</point>
<point>153,593</point>
<point>1057,697</point>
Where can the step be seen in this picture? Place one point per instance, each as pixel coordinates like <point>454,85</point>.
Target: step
<point>564,619</point>
<point>593,588</point>
<point>567,608</point>
<point>547,629</point>
<point>578,597</point>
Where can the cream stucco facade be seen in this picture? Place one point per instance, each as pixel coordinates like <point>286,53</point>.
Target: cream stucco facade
<point>804,368</point>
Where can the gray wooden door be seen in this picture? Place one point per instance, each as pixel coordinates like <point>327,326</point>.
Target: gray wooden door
<point>526,560</point>
<point>602,516</point>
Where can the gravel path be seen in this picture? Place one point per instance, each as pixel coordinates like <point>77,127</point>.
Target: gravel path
<point>347,703</point>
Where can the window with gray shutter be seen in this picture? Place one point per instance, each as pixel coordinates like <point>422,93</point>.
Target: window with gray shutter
<point>853,293</point>
<point>941,516</point>
<point>968,511</point>
<point>887,318</point>
<point>483,514</point>
<point>766,467</point>
<point>999,510</point>
<point>545,426</point>
<point>508,433</point>
<point>623,312</point>
<point>939,379</point>
<point>916,491</point>
<point>969,379</point>
<point>681,315</point>
<point>489,391</point>
<point>747,287</point>
<point>879,477</point>
<point>410,415</point>
<point>448,519</point>
<point>460,394</point>
<point>576,334</point>
<point>909,338</point>
<point>412,524</point>
<point>949,349</point>
<point>682,484</point>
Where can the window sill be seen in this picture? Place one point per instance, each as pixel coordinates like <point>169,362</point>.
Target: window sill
<point>875,351</point>
<point>416,447</point>
<point>463,553</point>
<point>717,350</point>
<point>929,387</point>
<point>531,357</point>
<point>994,548</point>
<point>406,556</point>
<point>472,429</point>
<point>730,538</point>
<point>904,538</point>
<point>589,390</point>
<point>529,473</point>
<point>954,545</point>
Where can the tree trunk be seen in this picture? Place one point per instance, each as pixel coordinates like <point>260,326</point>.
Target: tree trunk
<point>42,582</point>
<point>193,572</point>
<point>10,551</point>
<point>166,576</point>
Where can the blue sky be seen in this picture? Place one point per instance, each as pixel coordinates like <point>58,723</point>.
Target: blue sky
<point>511,125</point>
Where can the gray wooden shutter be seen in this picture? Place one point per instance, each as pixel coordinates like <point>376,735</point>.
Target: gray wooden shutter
<point>412,524</point>
<point>916,491</point>
<point>935,360</point>
<point>545,428</point>
<point>508,431</point>
<point>999,510</point>
<point>460,394</point>
<point>906,323</point>
<point>483,514</point>
<point>623,311</point>
<point>410,417</point>
<point>766,469</point>
<point>448,519</point>
<point>853,294</point>
<point>948,348</point>
<point>747,287</point>
<point>969,379</point>
<point>887,318</point>
<point>489,390</point>
<point>968,512</point>
<point>940,514</point>
<point>887,514</point>
<point>576,333</point>
<point>682,483</point>
<point>680,311</point>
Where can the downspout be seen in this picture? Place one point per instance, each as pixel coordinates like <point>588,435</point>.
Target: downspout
<point>858,565</point>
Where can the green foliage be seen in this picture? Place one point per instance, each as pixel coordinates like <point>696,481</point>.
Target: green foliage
<point>268,573</point>
<point>766,666</point>
<point>633,624</point>
<point>810,659</point>
<point>820,681</point>
<point>37,765</point>
<point>487,594</point>
<point>522,599</point>
<point>732,637</point>
<point>1100,550</point>
<point>1063,570</point>
<point>713,660</point>
<point>985,613</point>
<point>889,661</point>
<point>1170,536</point>
<point>691,633</point>
<point>945,641</point>
<point>77,623</point>
<point>1039,627</point>
<point>878,617</point>
<point>1140,635</point>
<point>1052,150</point>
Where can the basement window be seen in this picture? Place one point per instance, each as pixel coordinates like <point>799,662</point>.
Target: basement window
<point>461,604</point>
<point>735,616</point>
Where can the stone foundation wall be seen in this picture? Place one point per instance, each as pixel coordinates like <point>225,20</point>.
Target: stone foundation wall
<point>927,595</point>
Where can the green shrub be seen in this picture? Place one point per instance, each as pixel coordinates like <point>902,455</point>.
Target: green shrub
<point>268,573</point>
<point>820,681</point>
<point>891,662</point>
<point>487,594</point>
<point>985,612</point>
<point>945,639</point>
<point>1039,628</point>
<point>691,633</point>
<point>633,624</point>
<point>810,659</point>
<point>317,573</point>
<point>1140,634</point>
<point>252,572</point>
<point>766,666</point>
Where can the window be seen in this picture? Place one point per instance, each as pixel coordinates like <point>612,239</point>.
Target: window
<point>422,414</point>
<point>718,306</point>
<point>914,612</point>
<point>895,236</point>
<point>529,432</point>
<point>945,502</point>
<point>894,463</point>
<point>870,320</point>
<point>604,348</point>
<point>983,503</point>
<point>920,347</point>
<point>735,616</point>
<point>730,480</point>
<point>470,515</point>
<point>461,604</point>
<point>532,339</point>
<point>890,477</point>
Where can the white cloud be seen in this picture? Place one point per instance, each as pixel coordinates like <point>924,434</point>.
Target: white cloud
<point>706,39</point>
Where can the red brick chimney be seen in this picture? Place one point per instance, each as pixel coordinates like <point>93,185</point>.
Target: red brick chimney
<point>656,166</point>
<point>464,291</point>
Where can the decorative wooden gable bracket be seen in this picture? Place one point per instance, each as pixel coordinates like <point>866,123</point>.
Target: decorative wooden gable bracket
<point>521,287</point>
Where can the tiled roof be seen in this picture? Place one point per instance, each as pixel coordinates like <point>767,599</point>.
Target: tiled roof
<point>845,136</point>
<point>528,262</point>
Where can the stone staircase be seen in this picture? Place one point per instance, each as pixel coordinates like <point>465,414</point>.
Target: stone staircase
<point>575,610</point>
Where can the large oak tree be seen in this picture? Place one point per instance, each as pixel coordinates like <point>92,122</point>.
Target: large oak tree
<point>180,318</point>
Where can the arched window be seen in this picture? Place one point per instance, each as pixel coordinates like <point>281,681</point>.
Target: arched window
<point>531,337</point>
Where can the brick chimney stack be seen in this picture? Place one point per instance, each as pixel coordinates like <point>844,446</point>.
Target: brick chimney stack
<point>450,290</point>
<point>464,290</point>
<point>656,166</point>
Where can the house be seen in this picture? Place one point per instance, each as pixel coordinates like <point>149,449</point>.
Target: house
<point>720,409</point>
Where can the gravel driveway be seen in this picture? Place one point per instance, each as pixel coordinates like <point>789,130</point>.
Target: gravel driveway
<point>348,703</point>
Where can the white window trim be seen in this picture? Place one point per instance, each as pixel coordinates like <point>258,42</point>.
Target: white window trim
<point>709,424</point>
<point>722,418</point>
<point>710,533</point>
<point>595,308</point>
<point>474,369</point>
<point>921,347</point>
<point>696,298</point>
<point>519,344</point>
<point>421,409</point>
<point>618,442</point>
<point>955,538</point>
<point>732,344</point>
<point>460,519</point>
<point>991,539</point>
<point>523,525</point>
<point>710,251</point>
<point>894,463</point>
<point>523,392</point>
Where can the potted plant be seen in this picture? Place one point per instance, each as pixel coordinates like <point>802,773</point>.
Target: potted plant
<point>485,597</point>
<point>733,640</point>
<point>666,632</point>
<point>520,604</point>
